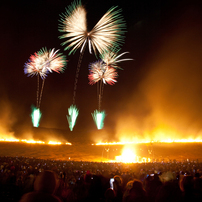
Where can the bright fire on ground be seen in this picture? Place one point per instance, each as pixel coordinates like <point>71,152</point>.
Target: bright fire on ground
<point>128,156</point>
<point>31,141</point>
<point>146,142</point>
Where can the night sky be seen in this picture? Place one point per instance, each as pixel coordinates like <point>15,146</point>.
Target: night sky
<point>160,90</point>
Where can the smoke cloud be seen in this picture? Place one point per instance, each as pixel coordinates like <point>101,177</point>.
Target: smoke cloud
<point>168,102</point>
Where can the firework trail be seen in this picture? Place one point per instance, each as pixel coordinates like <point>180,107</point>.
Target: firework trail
<point>105,35</point>
<point>102,72</point>
<point>40,64</point>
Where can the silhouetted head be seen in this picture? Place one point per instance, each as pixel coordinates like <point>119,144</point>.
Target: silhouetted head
<point>46,182</point>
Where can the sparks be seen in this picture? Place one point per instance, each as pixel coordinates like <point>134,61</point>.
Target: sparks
<point>73,113</point>
<point>99,118</point>
<point>40,64</point>
<point>43,62</point>
<point>100,71</point>
<point>36,116</point>
<point>112,59</point>
<point>106,34</point>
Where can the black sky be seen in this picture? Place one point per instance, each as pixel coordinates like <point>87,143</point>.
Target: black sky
<point>160,88</point>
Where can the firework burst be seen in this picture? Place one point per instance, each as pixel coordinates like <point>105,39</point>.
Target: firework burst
<point>44,62</point>
<point>100,71</point>
<point>106,34</point>
<point>112,59</point>
<point>40,64</point>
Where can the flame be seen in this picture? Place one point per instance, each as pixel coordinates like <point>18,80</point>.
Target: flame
<point>32,141</point>
<point>9,140</point>
<point>54,143</point>
<point>146,142</point>
<point>128,156</point>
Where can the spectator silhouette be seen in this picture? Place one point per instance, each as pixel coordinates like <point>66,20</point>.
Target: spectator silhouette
<point>198,187</point>
<point>44,187</point>
<point>128,187</point>
<point>109,195</point>
<point>118,189</point>
<point>137,193</point>
<point>169,192</point>
<point>187,187</point>
<point>152,185</point>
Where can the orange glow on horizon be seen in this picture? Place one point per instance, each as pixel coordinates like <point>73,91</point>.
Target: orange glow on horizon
<point>54,143</point>
<point>146,142</point>
<point>31,141</point>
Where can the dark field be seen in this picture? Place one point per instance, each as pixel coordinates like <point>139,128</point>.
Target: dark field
<point>88,152</point>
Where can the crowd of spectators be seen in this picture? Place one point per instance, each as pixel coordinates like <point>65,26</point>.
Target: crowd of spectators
<point>30,179</point>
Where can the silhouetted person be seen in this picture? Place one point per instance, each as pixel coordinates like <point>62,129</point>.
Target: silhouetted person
<point>44,187</point>
<point>169,192</point>
<point>152,185</point>
<point>137,193</point>
<point>109,195</point>
<point>187,187</point>
<point>118,189</point>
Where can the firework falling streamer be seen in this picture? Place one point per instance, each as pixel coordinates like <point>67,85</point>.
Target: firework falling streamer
<point>105,35</point>
<point>40,64</point>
